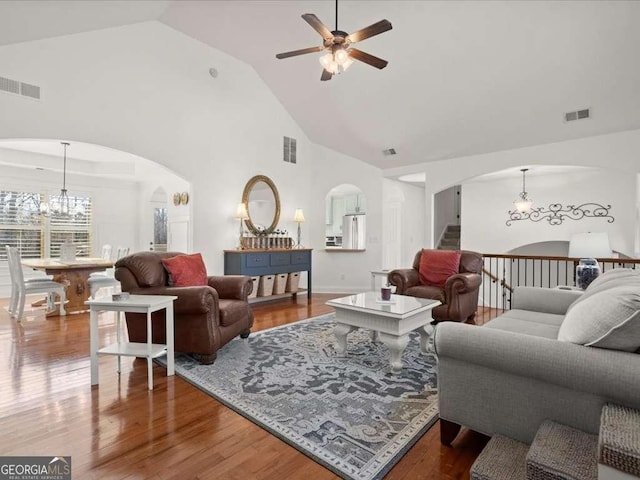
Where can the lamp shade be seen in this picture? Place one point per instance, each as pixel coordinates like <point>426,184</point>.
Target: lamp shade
<point>298,216</point>
<point>241,212</point>
<point>523,205</point>
<point>590,245</point>
<point>328,63</point>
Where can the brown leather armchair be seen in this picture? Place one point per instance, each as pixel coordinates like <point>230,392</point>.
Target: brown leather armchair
<point>205,317</point>
<point>459,296</point>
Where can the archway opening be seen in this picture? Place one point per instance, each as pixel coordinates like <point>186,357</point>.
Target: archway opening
<point>345,218</point>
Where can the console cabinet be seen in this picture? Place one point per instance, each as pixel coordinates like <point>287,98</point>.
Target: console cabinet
<point>256,263</point>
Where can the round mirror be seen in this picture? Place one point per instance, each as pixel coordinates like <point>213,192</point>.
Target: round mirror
<point>263,204</point>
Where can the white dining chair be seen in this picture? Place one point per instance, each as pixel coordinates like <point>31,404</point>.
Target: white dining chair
<point>106,252</point>
<point>20,287</point>
<point>105,255</point>
<point>107,278</point>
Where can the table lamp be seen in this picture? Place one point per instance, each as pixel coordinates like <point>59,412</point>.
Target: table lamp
<point>242,215</point>
<point>298,217</point>
<point>587,247</point>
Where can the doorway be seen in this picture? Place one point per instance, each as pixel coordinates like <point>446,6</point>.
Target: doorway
<point>159,212</point>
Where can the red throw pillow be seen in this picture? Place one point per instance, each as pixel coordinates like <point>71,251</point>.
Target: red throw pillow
<point>436,266</point>
<point>186,270</point>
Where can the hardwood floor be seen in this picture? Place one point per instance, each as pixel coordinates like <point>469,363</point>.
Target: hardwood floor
<point>121,430</point>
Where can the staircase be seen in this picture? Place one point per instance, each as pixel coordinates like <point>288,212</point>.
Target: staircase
<point>559,452</point>
<point>450,239</point>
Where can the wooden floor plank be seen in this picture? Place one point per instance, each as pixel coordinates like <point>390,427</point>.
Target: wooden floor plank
<point>122,431</point>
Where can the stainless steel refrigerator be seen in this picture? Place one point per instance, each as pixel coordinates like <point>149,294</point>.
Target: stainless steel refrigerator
<point>354,231</point>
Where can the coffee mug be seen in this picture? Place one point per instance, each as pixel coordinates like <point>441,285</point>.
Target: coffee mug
<point>385,293</point>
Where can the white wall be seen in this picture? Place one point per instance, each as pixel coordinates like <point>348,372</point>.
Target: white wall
<point>338,271</point>
<point>145,89</point>
<point>617,151</point>
<point>485,205</point>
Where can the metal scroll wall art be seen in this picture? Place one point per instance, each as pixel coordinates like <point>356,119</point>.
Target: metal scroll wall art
<point>556,213</point>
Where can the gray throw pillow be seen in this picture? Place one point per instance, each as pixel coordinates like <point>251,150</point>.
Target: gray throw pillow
<point>610,276</point>
<point>608,319</point>
<point>618,277</point>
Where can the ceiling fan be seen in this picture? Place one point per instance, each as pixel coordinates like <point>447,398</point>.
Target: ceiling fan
<point>341,54</point>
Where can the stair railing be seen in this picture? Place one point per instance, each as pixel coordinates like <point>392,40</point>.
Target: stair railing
<point>504,272</point>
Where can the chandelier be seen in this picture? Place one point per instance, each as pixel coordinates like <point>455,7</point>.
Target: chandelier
<point>60,205</point>
<point>523,203</point>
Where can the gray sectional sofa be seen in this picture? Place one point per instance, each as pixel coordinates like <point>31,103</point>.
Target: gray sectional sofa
<point>557,355</point>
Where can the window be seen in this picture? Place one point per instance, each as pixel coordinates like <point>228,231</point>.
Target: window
<point>75,227</point>
<point>22,225</point>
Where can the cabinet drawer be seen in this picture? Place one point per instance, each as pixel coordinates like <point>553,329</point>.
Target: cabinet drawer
<point>278,259</point>
<point>257,260</point>
<point>300,257</point>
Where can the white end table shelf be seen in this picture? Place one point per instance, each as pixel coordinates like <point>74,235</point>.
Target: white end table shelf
<point>134,304</point>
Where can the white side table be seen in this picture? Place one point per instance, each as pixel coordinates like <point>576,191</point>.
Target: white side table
<point>376,273</point>
<point>134,304</point>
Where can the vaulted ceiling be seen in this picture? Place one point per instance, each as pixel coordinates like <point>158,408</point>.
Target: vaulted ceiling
<point>463,77</point>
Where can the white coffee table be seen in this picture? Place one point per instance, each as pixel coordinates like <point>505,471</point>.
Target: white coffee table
<point>390,321</point>
<point>134,304</point>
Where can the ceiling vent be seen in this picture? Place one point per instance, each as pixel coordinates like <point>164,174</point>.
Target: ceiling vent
<point>289,151</point>
<point>577,115</point>
<point>389,151</point>
<point>19,88</point>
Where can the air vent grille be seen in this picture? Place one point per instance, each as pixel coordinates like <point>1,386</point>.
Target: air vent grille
<point>8,85</point>
<point>19,88</point>
<point>389,151</point>
<point>577,115</point>
<point>289,151</point>
<point>32,91</point>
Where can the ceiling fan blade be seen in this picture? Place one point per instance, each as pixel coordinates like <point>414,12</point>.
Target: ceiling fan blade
<point>317,25</point>
<point>375,29</point>
<point>366,58</point>
<point>299,52</point>
<point>326,75</point>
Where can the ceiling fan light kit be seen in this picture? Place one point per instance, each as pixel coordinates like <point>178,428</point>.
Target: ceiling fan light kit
<point>340,55</point>
<point>336,62</point>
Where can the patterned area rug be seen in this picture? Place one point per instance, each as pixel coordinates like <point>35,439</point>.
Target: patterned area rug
<point>349,413</point>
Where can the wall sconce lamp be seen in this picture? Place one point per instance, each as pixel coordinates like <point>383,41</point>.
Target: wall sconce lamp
<point>242,215</point>
<point>298,217</point>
